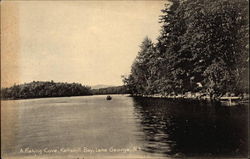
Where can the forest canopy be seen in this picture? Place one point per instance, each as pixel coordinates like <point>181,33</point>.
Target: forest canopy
<point>110,90</point>
<point>38,89</point>
<point>203,47</point>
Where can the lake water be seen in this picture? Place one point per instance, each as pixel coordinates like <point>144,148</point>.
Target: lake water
<point>91,126</point>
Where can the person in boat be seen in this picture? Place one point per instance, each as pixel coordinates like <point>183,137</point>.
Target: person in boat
<point>108,97</point>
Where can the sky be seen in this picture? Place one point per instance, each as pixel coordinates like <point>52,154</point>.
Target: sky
<point>89,42</point>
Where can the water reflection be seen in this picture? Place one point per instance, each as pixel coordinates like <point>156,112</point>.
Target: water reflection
<point>192,128</point>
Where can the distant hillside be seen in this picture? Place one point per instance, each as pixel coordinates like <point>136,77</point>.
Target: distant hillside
<point>111,90</point>
<point>40,89</point>
<point>101,86</point>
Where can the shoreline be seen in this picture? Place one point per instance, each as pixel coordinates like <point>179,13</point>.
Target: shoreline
<point>61,96</point>
<point>3,99</point>
<point>230,100</point>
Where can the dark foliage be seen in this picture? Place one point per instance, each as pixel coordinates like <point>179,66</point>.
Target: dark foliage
<point>38,89</point>
<point>111,90</point>
<point>203,47</point>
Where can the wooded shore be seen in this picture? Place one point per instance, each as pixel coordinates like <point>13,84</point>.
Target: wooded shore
<point>225,100</point>
<point>202,47</point>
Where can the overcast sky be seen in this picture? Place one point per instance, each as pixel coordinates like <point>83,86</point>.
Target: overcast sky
<point>82,41</point>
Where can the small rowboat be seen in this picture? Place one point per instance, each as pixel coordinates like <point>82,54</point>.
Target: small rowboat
<point>108,98</point>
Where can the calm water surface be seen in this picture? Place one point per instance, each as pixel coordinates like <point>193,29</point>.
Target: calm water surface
<point>91,126</point>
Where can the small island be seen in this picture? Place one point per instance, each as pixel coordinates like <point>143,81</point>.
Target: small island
<point>39,89</point>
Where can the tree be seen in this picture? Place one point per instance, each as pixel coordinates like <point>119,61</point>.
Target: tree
<point>201,41</point>
<point>140,80</point>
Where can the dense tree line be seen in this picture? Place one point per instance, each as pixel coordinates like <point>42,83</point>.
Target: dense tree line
<point>202,47</point>
<point>111,90</point>
<point>37,89</point>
